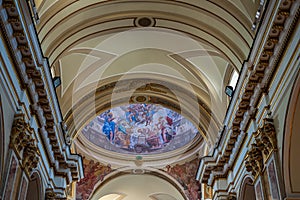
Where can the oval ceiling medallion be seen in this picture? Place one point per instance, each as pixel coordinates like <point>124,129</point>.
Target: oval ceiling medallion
<point>140,99</point>
<point>144,22</point>
<point>140,129</point>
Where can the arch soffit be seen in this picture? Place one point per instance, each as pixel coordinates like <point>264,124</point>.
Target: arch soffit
<point>290,149</point>
<point>150,172</point>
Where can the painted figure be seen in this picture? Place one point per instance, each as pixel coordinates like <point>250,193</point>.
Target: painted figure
<point>123,125</point>
<point>109,127</point>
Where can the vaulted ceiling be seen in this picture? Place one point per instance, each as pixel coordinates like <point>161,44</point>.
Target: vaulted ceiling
<point>179,54</point>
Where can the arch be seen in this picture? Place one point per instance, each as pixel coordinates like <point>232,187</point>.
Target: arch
<point>247,191</point>
<point>291,150</point>
<point>35,187</point>
<point>136,187</point>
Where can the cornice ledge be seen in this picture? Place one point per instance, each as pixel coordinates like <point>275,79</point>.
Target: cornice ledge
<point>257,83</point>
<point>35,80</point>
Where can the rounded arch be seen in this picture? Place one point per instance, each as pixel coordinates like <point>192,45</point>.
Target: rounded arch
<point>291,149</point>
<point>35,187</point>
<point>247,191</point>
<point>136,187</point>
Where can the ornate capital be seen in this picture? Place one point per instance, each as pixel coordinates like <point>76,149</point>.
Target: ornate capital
<point>265,143</point>
<point>22,142</point>
<point>254,160</point>
<point>267,136</point>
<point>20,134</point>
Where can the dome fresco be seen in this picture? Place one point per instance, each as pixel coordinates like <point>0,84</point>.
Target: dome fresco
<point>140,129</point>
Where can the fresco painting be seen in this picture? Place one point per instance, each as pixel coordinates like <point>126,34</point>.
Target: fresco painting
<point>185,175</point>
<point>94,172</point>
<point>140,128</point>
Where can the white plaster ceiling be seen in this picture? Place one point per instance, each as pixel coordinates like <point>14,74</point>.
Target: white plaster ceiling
<point>191,46</point>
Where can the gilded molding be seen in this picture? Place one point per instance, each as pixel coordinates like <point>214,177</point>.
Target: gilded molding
<point>24,145</point>
<point>265,143</point>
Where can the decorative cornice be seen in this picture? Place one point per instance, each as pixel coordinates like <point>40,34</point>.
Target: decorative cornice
<point>33,79</point>
<point>260,76</point>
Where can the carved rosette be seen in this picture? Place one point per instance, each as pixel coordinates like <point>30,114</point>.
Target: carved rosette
<point>22,142</point>
<point>265,143</point>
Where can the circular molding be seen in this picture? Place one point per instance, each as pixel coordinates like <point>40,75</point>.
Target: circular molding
<point>140,99</point>
<point>144,22</point>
